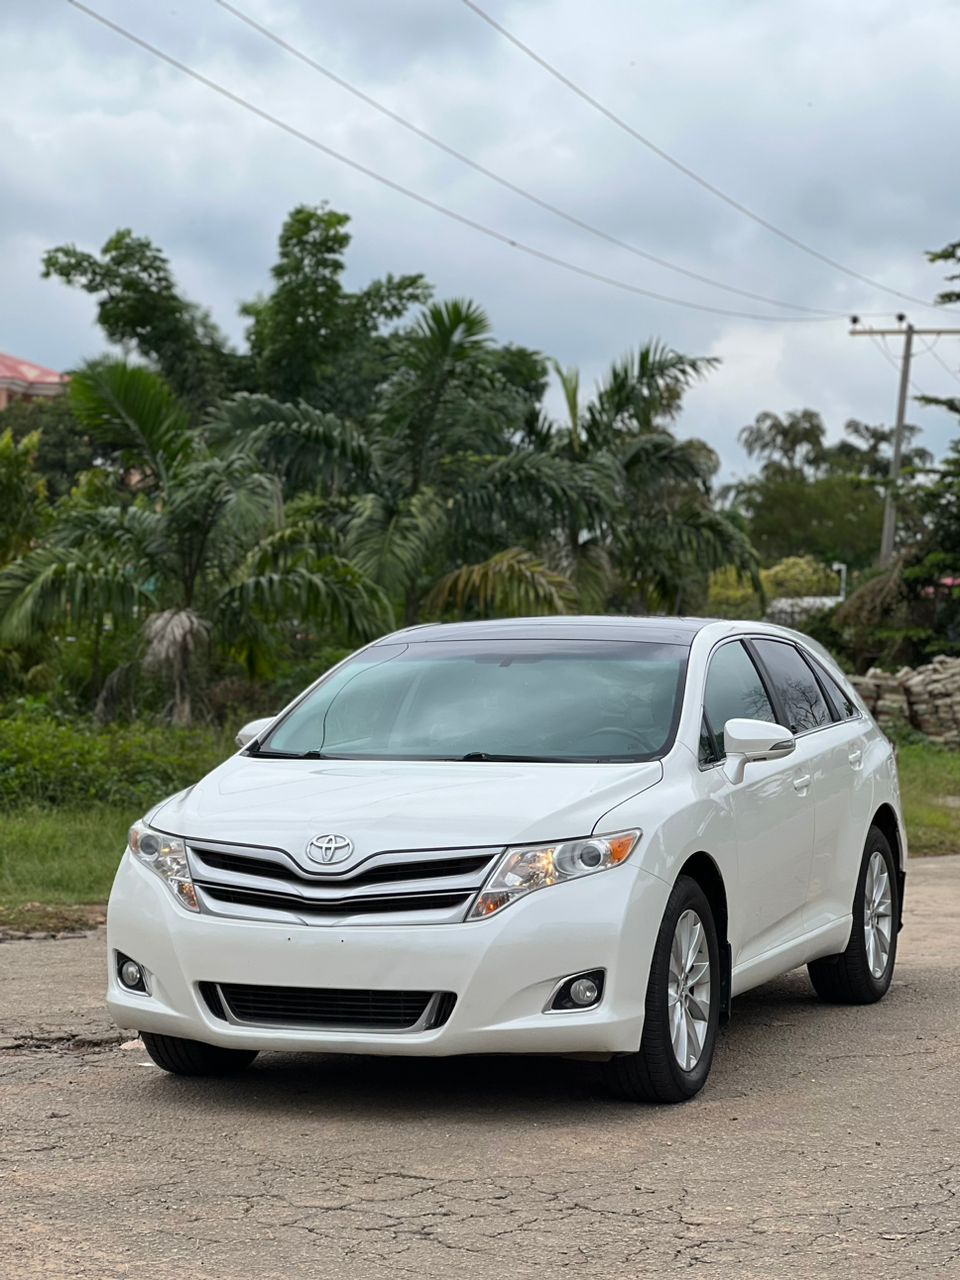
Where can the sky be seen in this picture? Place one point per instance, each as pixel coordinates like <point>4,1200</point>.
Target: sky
<point>830,121</point>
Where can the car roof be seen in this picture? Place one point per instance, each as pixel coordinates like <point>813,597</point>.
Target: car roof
<point>557,627</point>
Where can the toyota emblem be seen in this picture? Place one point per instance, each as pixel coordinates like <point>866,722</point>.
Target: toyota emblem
<point>327,849</point>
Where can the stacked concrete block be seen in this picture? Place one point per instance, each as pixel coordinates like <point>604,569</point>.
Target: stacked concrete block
<point>927,698</point>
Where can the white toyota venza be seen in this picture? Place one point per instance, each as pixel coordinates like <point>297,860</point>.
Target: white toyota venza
<point>577,836</point>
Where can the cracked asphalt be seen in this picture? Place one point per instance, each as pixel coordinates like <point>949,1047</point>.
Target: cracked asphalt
<point>826,1143</point>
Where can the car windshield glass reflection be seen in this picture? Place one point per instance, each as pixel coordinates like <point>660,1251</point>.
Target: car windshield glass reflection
<point>471,700</point>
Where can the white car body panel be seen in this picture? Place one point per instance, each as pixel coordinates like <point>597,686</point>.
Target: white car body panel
<point>398,805</point>
<point>787,852</point>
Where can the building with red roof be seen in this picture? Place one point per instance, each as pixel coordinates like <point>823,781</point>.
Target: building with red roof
<point>21,379</point>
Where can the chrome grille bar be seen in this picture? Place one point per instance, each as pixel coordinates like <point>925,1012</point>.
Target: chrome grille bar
<point>388,887</point>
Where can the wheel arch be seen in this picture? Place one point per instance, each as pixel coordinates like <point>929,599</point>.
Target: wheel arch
<point>885,820</point>
<point>702,868</point>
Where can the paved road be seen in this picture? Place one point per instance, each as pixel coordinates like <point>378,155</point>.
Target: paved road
<point>827,1143</point>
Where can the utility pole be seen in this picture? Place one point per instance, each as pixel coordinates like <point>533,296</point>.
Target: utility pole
<point>907,332</point>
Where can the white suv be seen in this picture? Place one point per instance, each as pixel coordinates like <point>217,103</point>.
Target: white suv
<point>551,835</point>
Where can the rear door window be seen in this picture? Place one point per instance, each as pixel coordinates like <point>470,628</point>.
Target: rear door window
<point>794,685</point>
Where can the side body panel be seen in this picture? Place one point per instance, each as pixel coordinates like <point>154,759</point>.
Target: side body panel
<point>845,807</point>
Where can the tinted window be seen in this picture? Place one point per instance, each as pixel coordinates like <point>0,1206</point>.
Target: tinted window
<point>442,700</point>
<point>804,706</point>
<point>734,690</point>
<point>846,707</point>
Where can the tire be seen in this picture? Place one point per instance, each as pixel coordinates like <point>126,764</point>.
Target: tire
<point>852,977</point>
<point>655,1073</point>
<point>193,1058</point>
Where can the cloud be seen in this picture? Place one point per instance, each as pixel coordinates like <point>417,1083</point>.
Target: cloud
<point>828,120</point>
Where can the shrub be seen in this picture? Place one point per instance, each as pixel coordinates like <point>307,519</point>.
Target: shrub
<point>47,762</point>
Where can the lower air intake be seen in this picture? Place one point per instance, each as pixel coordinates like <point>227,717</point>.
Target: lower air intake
<point>328,1007</point>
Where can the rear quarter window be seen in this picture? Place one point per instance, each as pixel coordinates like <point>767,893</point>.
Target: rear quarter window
<point>847,709</point>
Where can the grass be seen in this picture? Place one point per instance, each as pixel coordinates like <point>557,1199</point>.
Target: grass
<point>56,865</point>
<point>930,785</point>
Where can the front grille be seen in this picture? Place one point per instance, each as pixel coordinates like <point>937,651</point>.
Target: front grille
<point>436,868</point>
<point>337,907</point>
<point>425,886</point>
<point>328,1007</point>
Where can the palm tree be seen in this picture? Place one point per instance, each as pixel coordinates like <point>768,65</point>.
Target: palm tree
<point>192,545</point>
<point>662,534</point>
<point>440,500</point>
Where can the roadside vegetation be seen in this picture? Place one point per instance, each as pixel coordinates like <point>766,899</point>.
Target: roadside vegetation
<point>930,785</point>
<point>57,861</point>
<point>194,531</point>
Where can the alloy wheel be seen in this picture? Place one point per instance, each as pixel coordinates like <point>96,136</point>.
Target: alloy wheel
<point>877,914</point>
<point>688,990</point>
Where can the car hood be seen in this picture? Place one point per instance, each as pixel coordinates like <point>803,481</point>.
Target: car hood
<point>399,805</point>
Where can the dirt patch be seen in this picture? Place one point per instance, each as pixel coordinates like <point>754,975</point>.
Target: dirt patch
<point>49,920</point>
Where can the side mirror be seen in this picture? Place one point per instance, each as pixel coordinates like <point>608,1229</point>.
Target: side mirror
<point>748,741</point>
<point>253,730</point>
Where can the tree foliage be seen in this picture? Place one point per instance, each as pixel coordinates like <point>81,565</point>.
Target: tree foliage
<point>312,339</point>
<point>140,308</point>
<point>373,457</point>
<point>812,498</point>
<point>22,493</point>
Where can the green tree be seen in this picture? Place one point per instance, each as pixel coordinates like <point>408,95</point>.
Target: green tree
<point>950,254</point>
<point>199,557</point>
<point>652,544</point>
<point>22,494</point>
<point>313,339</point>
<point>140,308</point>
<point>811,498</point>
<point>799,576</point>
<point>64,448</point>
<point>440,499</point>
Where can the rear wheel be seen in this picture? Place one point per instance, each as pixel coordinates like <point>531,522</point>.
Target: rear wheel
<point>682,1008</point>
<point>193,1058</point>
<point>862,973</point>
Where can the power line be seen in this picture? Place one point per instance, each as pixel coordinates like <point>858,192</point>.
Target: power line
<point>908,333</point>
<point>461,218</point>
<point>930,349</point>
<point>506,183</point>
<point>681,167</point>
<point>943,364</point>
<point>891,359</point>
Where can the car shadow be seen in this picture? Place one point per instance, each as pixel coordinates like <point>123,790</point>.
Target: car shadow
<point>783,1017</point>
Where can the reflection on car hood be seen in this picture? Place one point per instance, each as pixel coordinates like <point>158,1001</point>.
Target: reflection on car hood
<point>399,805</point>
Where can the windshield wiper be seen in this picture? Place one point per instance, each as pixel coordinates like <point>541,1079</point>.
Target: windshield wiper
<point>487,755</point>
<point>292,755</point>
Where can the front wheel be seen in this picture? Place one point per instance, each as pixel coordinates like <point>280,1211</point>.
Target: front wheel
<point>862,973</point>
<point>193,1058</point>
<point>682,1010</point>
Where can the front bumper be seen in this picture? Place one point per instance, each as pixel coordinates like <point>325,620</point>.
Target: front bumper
<point>502,969</point>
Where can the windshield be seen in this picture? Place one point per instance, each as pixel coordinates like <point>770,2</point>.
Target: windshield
<point>550,700</point>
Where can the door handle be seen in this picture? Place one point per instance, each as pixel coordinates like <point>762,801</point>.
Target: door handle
<point>801,784</point>
<point>855,758</point>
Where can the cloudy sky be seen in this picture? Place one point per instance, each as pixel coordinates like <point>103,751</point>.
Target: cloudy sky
<point>836,122</point>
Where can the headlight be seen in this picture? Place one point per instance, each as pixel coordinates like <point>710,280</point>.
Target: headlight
<point>167,856</point>
<point>525,868</point>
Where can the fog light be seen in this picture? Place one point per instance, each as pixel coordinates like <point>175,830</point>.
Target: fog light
<point>583,991</point>
<point>576,993</point>
<point>130,974</point>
